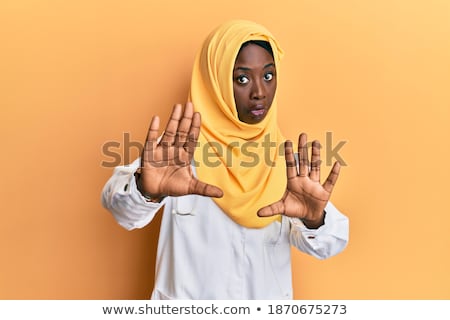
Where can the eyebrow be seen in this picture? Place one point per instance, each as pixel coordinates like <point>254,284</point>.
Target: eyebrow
<point>248,69</point>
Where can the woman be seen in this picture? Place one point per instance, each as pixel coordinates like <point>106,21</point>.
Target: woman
<point>233,203</point>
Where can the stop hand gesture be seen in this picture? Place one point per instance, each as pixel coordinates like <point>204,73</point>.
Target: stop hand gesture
<point>305,197</point>
<point>166,165</point>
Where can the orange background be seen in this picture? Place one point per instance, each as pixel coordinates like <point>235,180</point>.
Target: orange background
<point>75,75</point>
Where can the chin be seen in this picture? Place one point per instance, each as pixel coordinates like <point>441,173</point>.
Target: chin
<point>251,119</point>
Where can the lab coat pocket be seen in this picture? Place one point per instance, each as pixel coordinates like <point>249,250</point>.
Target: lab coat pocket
<point>185,212</point>
<point>185,205</point>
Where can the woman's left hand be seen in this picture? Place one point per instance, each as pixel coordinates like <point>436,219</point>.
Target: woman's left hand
<point>305,197</point>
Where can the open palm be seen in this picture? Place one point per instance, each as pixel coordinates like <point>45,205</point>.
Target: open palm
<point>166,164</point>
<point>305,197</point>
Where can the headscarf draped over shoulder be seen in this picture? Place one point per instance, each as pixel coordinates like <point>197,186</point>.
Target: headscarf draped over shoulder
<point>245,160</point>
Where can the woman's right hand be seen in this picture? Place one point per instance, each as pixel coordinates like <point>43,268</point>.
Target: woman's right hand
<point>166,165</point>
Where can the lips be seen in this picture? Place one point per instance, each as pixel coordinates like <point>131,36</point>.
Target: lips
<point>258,110</point>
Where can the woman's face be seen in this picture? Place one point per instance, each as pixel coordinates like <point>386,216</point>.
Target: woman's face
<point>254,83</point>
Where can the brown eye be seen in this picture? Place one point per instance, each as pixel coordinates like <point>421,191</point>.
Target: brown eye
<point>242,79</point>
<point>268,76</point>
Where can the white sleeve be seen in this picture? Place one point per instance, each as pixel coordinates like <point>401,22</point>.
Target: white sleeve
<point>328,240</point>
<point>122,198</point>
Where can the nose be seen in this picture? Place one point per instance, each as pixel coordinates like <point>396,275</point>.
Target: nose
<point>258,90</point>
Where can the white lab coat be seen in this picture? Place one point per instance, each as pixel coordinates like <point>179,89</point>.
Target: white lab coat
<point>203,254</point>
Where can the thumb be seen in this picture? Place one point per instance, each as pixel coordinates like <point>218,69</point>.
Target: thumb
<point>271,209</point>
<point>204,189</point>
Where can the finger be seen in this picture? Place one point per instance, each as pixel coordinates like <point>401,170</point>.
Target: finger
<point>194,131</point>
<point>291,165</point>
<point>315,161</point>
<point>303,155</point>
<point>332,177</point>
<point>204,189</point>
<point>168,137</point>
<point>151,139</point>
<point>184,126</point>
<point>272,209</point>
<point>152,134</point>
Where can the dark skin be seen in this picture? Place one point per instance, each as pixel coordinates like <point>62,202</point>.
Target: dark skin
<point>254,83</point>
<point>165,165</point>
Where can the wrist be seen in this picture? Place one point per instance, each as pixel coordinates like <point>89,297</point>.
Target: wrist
<point>316,223</point>
<point>148,197</point>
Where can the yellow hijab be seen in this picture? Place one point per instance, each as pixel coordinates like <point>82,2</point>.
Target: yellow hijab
<point>244,160</point>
